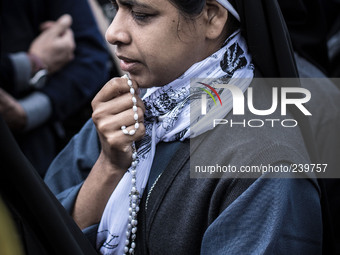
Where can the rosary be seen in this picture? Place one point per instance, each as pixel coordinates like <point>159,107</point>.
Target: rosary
<point>134,194</point>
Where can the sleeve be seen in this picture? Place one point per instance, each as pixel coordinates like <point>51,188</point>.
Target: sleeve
<point>22,70</point>
<point>38,109</point>
<point>15,76</point>
<point>273,216</point>
<point>73,164</point>
<point>81,79</point>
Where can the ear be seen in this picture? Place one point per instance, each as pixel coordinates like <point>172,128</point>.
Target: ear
<point>216,17</point>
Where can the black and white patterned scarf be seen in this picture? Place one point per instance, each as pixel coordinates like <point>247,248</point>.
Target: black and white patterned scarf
<point>167,118</point>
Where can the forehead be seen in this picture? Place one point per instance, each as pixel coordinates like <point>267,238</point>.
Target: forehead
<point>144,3</point>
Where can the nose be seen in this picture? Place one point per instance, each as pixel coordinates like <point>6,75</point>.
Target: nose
<point>117,33</point>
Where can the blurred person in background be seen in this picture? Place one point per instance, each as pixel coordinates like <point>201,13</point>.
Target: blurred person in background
<point>53,61</point>
<point>332,16</point>
<point>314,27</point>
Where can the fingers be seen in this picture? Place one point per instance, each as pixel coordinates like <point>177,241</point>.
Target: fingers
<point>115,88</point>
<point>46,25</point>
<point>114,122</point>
<point>61,25</point>
<point>65,20</point>
<point>126,139</point>
<point>117,105</point>
<point>58,27</point>
<point>113,108</point>
<point>66,41</point>
<point>111,135</point>
<point>119,111</point>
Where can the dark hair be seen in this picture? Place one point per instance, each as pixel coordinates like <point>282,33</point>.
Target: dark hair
<point>189,7</point>
<point>192,8</point>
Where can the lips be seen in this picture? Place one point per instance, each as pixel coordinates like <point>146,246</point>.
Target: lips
<point>128,64</point>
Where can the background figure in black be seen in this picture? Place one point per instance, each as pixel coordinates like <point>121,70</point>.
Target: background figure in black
<point>314,27</point>
<point>332,9</point>
<point>308,30</point>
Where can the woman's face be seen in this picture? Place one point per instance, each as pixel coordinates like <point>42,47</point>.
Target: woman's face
<point>155,43</point>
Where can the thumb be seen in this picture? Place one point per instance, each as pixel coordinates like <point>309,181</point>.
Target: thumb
<point>62,24</point>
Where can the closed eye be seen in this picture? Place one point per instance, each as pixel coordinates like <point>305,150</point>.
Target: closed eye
<point>140,12</point>
<point>139,16</point>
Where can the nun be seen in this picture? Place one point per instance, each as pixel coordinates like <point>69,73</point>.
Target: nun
<point>127,177</point>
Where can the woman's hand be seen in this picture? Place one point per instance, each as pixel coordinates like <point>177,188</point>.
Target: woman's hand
<point>112,109</point>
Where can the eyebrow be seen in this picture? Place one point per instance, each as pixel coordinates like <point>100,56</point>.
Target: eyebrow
<point>134,3</point>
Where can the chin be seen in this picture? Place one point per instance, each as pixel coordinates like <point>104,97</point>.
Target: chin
<point>149,79</point>
<point>145,82</point>
<point>142,83</point>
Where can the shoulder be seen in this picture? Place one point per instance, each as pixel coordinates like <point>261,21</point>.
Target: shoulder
<point>271,216</point>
